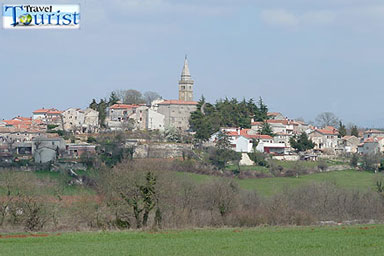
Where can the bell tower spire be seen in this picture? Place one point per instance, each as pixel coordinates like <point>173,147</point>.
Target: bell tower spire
<point>186,83</point>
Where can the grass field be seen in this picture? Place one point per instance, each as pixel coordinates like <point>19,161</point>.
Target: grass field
<point>349,179</point>
<point>348,240</point>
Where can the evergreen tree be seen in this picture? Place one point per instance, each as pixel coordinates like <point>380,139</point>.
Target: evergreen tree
<point>342,130</point>
<point>93,105</point>
<point>266,129</point>
<point>354,131</point>
<point>223,141</point>
<point>102,109</point>
<point>301,143</point>
<point>208,118</point>
<point>113,99</point>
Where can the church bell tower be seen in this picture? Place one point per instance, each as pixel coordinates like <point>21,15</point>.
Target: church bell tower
<point>186,84</point>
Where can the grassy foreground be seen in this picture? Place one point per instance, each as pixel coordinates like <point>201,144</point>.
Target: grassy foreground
<point>355,240</point>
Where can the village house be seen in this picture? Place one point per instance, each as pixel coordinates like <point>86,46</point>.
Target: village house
<point>81,121</point>
<point>371,145</point>
<point>119,116</point>
<point>349,144</point>
<point>47,149</point>
<point>91,121</point>
<point>148,119</point>
<point>245,141</point>
<point>73,119</point>
<point>48,116</point>
<point>75,151</point>
<point>278,126</point>
<point>326,138</point>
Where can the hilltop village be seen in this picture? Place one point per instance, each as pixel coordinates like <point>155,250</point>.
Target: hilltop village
<point>51,134</point>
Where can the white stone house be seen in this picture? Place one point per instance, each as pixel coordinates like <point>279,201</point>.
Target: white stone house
<point>245,143</point>
<point>325,138</point>
<point>349,144</point>
<point>73,119</point>
<point>372,145</point>
<point>46,149</point>
<point>48,116</point>
<point>119,116</point>
<point>155,120</point>
<point>91,120</point>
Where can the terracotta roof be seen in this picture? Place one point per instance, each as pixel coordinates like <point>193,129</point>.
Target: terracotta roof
<point>348,137</point>
<point>285,122</point>
<point>123,106</point>
<point>178,102</point>
<point>373,131</point>
<point>47,111</point>
<point>244,133</point>
<point>327,132</point>
<point>373,139</point>
<point>23,118</point>
<point>273,113</point>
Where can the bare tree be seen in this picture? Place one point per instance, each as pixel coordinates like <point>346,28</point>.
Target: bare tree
<point>130,96</point>
<point>151,96</point>
<point>327,119</point>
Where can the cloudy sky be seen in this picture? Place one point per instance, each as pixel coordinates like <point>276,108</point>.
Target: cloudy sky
<point>302,57</point>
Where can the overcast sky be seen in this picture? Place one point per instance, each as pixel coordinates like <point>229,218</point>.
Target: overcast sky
<point>302,57</point>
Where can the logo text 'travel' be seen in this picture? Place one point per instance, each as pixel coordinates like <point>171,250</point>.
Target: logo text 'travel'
<point>19,16</point>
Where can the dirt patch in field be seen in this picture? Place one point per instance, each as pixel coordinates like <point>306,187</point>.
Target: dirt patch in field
<point>27,235</point>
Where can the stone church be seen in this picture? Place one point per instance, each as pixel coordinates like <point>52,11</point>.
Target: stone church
<point>177,112</point>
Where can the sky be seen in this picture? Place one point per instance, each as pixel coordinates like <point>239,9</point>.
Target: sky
<point>302,57</point>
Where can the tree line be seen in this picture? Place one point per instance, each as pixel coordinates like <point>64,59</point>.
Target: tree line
<point>208,118</point>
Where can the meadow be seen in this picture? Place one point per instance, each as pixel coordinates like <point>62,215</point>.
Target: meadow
<point>333,240</point>
<point>349,179</point>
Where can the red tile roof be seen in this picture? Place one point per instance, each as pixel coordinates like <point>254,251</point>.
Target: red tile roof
<point>373,139</point>
<point>244,133</point>
<point>273,113</point>
<point>178,102</point>
<point>373,131</point>
<point>124,106</point>
<point>285,122</point>
<point>327,132</point>
<point>52,111</point>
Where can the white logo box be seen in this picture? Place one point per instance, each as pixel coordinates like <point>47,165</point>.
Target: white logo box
<point>41,16</point>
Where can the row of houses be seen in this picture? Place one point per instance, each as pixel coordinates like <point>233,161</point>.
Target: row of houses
<point>326,140</point>
<point>44,148</point>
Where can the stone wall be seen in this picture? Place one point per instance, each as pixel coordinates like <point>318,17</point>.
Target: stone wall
<point>161,150</point>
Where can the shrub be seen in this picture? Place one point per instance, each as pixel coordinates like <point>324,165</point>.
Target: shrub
<point>322,165</point>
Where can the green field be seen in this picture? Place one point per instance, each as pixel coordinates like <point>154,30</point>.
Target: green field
<point>346,240</point>
<point>349,179</point>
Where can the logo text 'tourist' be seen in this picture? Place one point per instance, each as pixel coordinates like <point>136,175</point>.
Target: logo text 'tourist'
<point>22,16</point>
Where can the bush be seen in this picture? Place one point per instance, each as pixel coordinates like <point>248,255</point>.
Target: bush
<point>322,165</point>
<point>259,158</point>
<point>354,160</point>
<point>370,162</point>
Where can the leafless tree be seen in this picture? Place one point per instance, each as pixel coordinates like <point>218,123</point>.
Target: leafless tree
<point>130,96</point>
<point>327,119</point>
<point>151,96</point>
